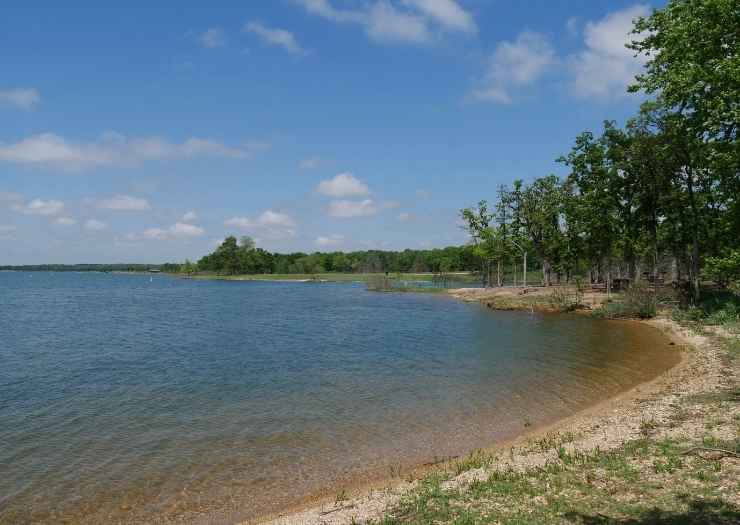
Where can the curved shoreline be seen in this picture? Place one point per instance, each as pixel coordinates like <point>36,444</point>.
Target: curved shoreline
<point>607,424</point>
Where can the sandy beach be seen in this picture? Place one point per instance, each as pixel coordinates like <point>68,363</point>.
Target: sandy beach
<point>604,426</point>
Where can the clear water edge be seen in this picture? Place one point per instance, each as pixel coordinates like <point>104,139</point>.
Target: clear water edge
<point>257,396</point>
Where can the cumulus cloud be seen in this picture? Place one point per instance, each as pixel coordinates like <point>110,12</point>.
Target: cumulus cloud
<point>345,209</point>
<point>213,37</point>
<point>515,65</point>
<point>40,207</point>
<point>329,241</point>
<point>343,185</point>
<point>269,224</point>
<point>275,37</point>
<point>385,23</point>
<point>189,217</point>
<point>407,21</point>
<point>113,149</point>
<point>606,67</point>
<point>179,230</point>
<point>94,225</point>
<point>21,98</point>
<point>447,13</point>
<point>65,221</point>
<point>123,203</point>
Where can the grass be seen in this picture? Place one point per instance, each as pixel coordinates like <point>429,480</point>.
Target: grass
<point>644,481</point>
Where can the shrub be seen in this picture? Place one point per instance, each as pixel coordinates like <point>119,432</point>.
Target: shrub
<point>566,299</point>
<point>379,283</point>
<point>639,301</point>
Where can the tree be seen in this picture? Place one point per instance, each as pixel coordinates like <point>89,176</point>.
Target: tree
<point>693,50</point>
<point>541,211</point>
<point>478,222</point>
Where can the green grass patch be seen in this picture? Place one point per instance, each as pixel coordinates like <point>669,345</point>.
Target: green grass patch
<point>643,482</point>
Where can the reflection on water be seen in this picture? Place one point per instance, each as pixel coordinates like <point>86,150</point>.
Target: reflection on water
<point>128,400</point>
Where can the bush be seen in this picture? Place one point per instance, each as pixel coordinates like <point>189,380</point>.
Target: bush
<point>639,301</point>
<point>566,299</point>
<point>379,283</point>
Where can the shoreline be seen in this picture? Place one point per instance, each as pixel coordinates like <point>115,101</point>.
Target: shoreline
<point>606,424</point>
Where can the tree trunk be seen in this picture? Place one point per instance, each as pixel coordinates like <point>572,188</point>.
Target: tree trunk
<point>546,272</point>
<point>694,270</point>
<point>694,262</point>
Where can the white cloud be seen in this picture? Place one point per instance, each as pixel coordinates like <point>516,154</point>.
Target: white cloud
<point>515,65</point>
<point>65,221</point>
<point>310,163</point>
<point>179,230</point>
<point>606,67</point>
<point>213,37</point>
<point>330,241</point>
<point>95,225</point>
<point>182,229</point>
<point>40,207</point>
<point>447,13</point>
<point>405,217</point>
<point>345,209</point>
<point>343,185</point>
<point>384,21</point>
<point>21,98</point>
<point>324,9</point>
<point>270,224</point>
<point>189,217</point>
<point>275,218</point>
<point>114,149</point>
<point>266,218</point>
<point>123,203</point>
<point>276,37</point>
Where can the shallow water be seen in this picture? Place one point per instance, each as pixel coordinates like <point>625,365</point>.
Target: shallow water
<point>125,399</point>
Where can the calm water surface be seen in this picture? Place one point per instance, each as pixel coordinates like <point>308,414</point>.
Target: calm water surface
<point>125,399</point>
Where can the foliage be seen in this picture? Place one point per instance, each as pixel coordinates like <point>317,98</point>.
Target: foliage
<point>656,199</point>
<point>639,301</point>
<point>693,50</point>
<point>566,298</point>
<point>724,269</point>
<point>714,308</point>
<point>242,257</point>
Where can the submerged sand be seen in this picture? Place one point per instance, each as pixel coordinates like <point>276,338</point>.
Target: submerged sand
<point>606,425</point>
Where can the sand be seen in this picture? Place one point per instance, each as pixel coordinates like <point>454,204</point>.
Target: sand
<point>607,425</point>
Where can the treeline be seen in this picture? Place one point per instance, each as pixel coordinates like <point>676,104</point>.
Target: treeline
<point>655,199</point>
<point>243,257</point>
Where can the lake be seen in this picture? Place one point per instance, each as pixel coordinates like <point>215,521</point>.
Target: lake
<point>137,399</point>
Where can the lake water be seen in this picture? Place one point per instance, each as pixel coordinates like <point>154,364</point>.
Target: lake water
<point>125,399</point>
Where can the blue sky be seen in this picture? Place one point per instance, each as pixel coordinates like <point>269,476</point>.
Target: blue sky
<point>148,134</point>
